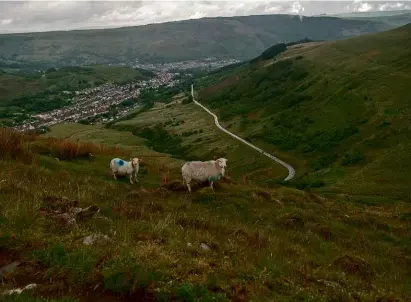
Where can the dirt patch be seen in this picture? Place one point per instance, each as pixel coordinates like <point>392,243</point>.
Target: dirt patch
<point>187,222</point>
<point>253,116</point>
<point>108,296</point>
<point>372,54</point>
<point>324,231</point>
<point>354,266</point>
<point>292,221</point>
<point>61,204</point>
<point>150,237</point>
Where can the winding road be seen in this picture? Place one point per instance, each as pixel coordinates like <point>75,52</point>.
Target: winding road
<point>291,170</point>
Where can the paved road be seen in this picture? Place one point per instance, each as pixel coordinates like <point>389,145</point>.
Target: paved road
<point>291,170</point>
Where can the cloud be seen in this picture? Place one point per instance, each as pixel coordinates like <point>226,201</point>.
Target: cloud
<point>393,6</point>
<point>24,16</point>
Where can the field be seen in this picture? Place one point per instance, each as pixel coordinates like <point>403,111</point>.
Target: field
<point>340,109</point>
<point>241,243</point>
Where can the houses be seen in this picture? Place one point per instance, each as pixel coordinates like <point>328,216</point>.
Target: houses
<point>92,102</point>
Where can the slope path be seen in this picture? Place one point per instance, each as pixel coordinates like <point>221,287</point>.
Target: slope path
<point>291,170</point>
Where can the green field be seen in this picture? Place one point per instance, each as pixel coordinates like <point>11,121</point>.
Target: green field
<point>341,109</point>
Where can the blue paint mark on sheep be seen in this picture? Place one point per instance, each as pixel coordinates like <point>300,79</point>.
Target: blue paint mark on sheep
<point>121,162</point>
<point>214,178</point>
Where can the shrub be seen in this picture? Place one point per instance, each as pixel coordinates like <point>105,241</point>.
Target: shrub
<point>68,150</point>
<point>323,161</point>
<point>352,158</point>
<point>12,145</point>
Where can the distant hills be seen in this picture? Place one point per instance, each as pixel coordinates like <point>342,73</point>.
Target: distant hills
<point>338,111</point>
<point>224,37</point>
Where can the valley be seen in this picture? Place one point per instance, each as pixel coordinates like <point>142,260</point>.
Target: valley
<point>322,214</point>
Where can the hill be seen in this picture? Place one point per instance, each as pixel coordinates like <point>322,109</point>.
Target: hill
<point>22,93</point>
<point>240,243</point>
<point>235,37</point>
<point>393,18</point>
<point>341,108</point>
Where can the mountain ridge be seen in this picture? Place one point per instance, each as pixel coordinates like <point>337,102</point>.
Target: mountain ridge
<point>225,37</point>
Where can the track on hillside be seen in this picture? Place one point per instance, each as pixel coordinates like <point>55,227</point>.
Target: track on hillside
<point>291,170</point>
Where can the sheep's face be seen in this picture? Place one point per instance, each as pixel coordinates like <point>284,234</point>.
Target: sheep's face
<point>135,161</point>
<point>222,162</point>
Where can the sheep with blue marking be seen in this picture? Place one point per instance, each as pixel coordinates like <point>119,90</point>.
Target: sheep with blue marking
<point>212,171</point>
<point>121,167</point>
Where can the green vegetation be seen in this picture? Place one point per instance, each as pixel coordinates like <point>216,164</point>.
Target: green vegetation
<point>342,107</point>
<point>257,244</point>
<point>227,37</point>
<point>190,134</point>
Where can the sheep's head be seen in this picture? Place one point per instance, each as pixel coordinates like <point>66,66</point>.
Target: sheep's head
<point>135,161</point>
<point>222,162</point>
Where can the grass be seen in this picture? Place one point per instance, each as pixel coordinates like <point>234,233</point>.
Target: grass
<point>329,107</point>
<point>263,244</point>
<point>193,135</point>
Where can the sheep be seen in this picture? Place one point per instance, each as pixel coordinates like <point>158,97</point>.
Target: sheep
<point>211,170</point>
<point>120,167</point>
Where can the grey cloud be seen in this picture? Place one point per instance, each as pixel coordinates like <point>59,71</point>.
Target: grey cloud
<point>64,15</point>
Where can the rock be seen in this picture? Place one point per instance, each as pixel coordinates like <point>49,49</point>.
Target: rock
<point>76,214</point>
<point>19,290</point>
<point>88,212</point>
<point>328,283</point>
<point>66,219</point>
<point>204,247</point>
<point>9,268</point>
<point>189,244</point>
<point>96,238</point>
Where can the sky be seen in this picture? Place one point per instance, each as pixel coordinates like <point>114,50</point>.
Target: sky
<point>32,16</point>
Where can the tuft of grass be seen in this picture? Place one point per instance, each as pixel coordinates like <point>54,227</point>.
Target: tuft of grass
<point>13,145</point>
<point>66,149</point>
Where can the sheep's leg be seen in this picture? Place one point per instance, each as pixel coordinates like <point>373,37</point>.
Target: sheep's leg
<point>211,185</point>
<point>114,175</point>
<point>131,179</point>
<point>188,186</point>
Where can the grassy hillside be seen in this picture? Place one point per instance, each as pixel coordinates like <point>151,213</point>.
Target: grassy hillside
<point>44,91</point>
<point>184,131</point>
<point>236,37</point>
<point>343,107</point>
<point>241,243</point>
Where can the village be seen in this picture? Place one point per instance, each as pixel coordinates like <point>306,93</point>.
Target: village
<point>94,102</point>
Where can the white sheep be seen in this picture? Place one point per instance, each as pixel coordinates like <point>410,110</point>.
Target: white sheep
<point>211,170</point>
<point>121,167</point>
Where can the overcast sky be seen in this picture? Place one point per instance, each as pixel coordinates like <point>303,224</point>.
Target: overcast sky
<point>28,16</point>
